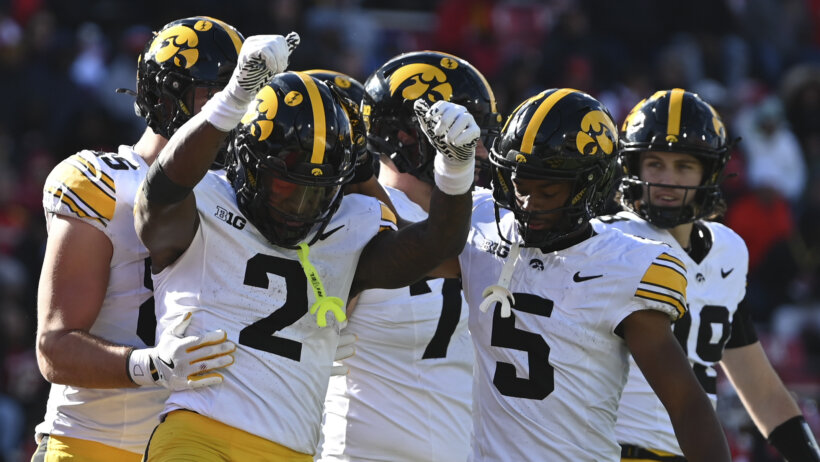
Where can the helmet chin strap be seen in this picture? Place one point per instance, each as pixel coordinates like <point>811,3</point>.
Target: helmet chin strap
<point>583,233</point>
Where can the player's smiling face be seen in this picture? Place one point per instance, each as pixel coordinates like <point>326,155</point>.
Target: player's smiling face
<point>540,198</point>
<point>672,170</point>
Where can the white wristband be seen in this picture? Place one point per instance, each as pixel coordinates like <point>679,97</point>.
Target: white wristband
<point>139,367</point>
<point>223,111</point>
<point>453,178</point>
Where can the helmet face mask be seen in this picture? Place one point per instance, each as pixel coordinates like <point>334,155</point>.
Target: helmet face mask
<point>391,90</point>
<point>674,121</point>
<point>190,53</point>
<point>289,159</point>
<point>559,136</point>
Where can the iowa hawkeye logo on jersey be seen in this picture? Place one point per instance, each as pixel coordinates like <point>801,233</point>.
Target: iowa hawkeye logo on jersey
<point>237,221</point>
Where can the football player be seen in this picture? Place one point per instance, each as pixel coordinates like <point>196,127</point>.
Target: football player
<point>556,307</point>
<point>408,393</point>
<point>674,151</point>
<point>95,305</point>
<point>351,92</point>
<point>272,250</point>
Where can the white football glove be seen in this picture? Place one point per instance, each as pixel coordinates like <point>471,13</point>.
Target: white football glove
<point>454,134</point>
<point>346,349</point>
<point>260,58</point>
<point>179,362</point>
<point>450,128</point>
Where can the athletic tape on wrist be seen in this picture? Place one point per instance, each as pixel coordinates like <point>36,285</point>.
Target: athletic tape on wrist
<point>453,178</point>
<point>224,111</point>
<point>141,370</point>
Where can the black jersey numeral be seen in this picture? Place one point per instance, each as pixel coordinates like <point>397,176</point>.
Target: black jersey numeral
<point>707,347</point>
<point>259,335</point>
<point>505,335</point>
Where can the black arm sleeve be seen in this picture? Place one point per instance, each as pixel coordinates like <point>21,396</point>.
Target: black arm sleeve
<point>795,441</point>
<point>743,330</point>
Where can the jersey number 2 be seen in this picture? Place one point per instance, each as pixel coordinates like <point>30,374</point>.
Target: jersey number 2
<point>505,335</point>
<point>259,335</point>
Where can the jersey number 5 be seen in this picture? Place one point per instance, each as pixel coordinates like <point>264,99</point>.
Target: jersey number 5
<point>259,335</point>
<point>506,335</point>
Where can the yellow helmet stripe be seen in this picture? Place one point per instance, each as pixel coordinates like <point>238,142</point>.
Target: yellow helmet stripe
<point>319,124</point>
<point>237,41</point>
<point>326,71</point>
<point>538,118</point>
<point>675,106</point>
<point>526,101</point>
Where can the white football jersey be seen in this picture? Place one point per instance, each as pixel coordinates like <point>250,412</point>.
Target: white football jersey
<point>99,188</point>
<point>717,285</point>
<point>232,278</point>
<point>548,378</point>
<point>408,393</point>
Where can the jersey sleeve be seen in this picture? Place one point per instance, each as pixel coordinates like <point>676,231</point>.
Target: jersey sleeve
<point>743,329</point>
<point>388,219</point>
<point>663,286</point>
<point>79,188</point>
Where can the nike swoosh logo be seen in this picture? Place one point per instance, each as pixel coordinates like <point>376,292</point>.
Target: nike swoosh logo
<point>326,235</point>
<point>726,273</point>
<point>170,365</point>
<point>578,278</point>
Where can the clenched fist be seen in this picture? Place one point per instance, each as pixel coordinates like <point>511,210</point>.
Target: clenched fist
<point>450,129</point>
<point>261,57</point>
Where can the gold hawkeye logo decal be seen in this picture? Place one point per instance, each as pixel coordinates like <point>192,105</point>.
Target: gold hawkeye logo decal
<point>418,80</point>
<point>267,106</point>
<point>179,44</point>
<point>597,133</point>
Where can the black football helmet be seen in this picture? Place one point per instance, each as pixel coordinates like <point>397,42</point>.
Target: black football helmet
<point>390,91</point>
<point>559,135</point>
<point>290,157</point>
<point>674,121</point>
<point>188,53</point>
<point>349,86</point>
<point>351,92</point>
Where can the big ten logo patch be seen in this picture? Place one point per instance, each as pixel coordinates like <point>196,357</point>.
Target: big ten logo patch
<point>237,221</point>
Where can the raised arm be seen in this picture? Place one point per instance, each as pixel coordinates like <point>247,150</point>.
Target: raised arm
<point>666,368</point>
<point>398,259</point>
<point>165,212</point>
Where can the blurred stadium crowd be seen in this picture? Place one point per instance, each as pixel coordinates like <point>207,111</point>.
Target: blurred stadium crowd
<point>756,61</point>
